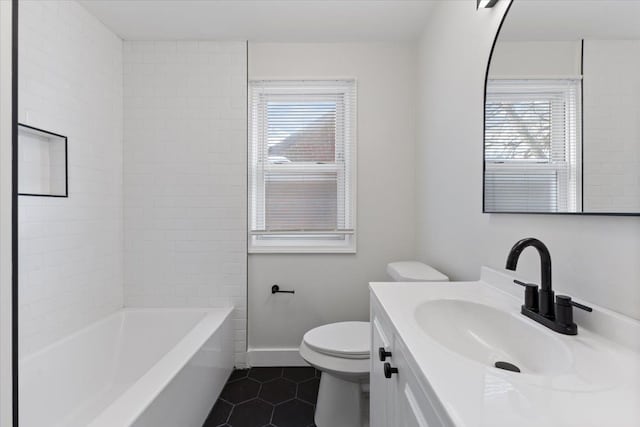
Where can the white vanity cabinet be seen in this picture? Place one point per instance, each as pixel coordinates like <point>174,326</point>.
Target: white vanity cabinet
<point>399,401</point>
<point>382,390</point>
<point>445,339</point>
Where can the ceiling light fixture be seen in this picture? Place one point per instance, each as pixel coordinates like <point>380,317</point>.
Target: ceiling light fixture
<point>485,4</point>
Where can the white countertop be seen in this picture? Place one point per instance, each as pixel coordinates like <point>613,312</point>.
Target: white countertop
<point>601,387</point>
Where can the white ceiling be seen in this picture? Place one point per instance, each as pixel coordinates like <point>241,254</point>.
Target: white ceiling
<point>558,20</point>
<point>263,20</point>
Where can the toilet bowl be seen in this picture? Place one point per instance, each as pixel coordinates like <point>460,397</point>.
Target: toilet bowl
<point>341,351</point>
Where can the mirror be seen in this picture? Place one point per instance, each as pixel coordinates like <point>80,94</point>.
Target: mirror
<point>562,109</point>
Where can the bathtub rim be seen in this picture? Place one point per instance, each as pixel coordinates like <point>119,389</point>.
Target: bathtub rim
<point>27,358</point>
<point>127,407</point>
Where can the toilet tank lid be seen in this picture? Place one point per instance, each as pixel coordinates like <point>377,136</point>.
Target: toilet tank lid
<point>414,271</point>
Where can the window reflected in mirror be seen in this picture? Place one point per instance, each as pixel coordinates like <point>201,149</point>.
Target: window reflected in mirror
<point>562,110</point>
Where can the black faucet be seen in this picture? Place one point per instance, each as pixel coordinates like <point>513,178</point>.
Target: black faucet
<point>546,292</point>
<point>540,306</point>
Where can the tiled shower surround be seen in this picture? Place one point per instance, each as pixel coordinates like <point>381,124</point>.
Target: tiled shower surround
<point>70,77</point>
<point>156,213</point>
<point>185,177</point>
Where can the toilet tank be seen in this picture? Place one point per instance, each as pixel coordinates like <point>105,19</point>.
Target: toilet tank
<point>414,271</point>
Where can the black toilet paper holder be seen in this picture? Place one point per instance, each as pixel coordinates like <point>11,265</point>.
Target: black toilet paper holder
<point>275,289</point>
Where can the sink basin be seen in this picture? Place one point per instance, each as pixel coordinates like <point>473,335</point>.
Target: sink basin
<point>488,335</point>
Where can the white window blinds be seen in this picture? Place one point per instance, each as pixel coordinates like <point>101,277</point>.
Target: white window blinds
<point>532,160</point>
<point>301,166</point>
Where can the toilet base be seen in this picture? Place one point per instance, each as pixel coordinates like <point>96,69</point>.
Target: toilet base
<point>339,403</point>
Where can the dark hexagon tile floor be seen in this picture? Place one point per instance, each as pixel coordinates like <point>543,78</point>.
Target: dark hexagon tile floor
<point>267,397</point>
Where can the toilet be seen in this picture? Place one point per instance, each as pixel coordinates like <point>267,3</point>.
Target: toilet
<point>341,352</point>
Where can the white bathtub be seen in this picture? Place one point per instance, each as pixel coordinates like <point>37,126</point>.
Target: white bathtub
<point>136,367</point>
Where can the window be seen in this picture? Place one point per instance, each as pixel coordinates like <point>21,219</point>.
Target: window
<point>532,129</point>
<point>302,166</point>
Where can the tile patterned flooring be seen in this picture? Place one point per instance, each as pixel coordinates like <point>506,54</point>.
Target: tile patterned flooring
<point>267,397</point>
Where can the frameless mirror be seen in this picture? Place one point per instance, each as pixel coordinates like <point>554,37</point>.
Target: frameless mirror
<point>42,163</point>
<point>562,109</point>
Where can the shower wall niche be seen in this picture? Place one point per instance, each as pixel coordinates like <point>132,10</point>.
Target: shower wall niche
<point>42,163</point>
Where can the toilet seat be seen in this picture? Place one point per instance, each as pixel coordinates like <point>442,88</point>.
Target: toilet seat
<point>346,340</point>
<point>349,369</point>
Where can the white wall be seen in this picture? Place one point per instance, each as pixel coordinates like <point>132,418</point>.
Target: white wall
<point>71,248</point>
<point>595,258</point>
<point>6,384</point>
<point>185,176</point>
<point>612,125</point>
<point>333,287</point>
<point>536,58</point>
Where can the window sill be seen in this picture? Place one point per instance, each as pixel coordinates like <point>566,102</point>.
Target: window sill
<point>302,247</point>
<point>301,250</point>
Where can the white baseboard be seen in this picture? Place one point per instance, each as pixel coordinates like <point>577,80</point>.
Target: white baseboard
<point>275,357</point>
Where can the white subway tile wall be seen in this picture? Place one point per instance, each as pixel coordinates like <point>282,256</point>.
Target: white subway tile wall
<point>185,177</point>
<point>611,126</point>
<point>70,259</point>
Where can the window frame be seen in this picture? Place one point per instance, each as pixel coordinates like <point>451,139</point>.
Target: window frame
<point>288,241</point>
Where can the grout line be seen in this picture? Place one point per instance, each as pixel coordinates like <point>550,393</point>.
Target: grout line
<point>259,391</point>
<point>273,412</point>
<point>233,407</point>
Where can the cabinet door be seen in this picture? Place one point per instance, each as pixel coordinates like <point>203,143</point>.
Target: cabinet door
<point>409,412</point>
<point>413,408</point>
<point>382,390</point>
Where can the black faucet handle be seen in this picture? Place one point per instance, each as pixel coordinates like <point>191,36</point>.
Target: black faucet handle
<point>530,295</point>
<point>564,313</point>
<point>526,285</point>
<point>566,300</point>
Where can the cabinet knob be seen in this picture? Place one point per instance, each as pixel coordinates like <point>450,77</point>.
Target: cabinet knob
<point>383,354</point>
<point>389,370</point>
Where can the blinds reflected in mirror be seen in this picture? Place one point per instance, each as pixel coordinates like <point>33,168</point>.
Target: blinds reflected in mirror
<point>532,150</point>
<point>530,191</point>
